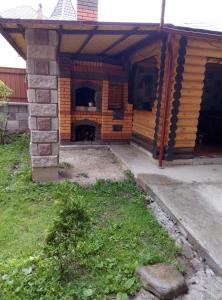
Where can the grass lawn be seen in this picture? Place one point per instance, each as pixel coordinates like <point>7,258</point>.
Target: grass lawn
<point>122,235</point>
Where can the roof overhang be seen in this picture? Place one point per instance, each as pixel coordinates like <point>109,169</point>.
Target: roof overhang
<point>109,39</point>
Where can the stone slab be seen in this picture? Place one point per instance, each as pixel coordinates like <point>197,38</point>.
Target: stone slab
<point>12,126</point>
<point>23,125</point>
<point>39,36</point>
<point>163,280</point>
<point>42,52</point>
<point>43,110</point>
<point>45,174</point>
<point>21,116</point>
<point>42,82</point>
<point>31,95</point>
<point>44,136</point>
<point>44,161</point>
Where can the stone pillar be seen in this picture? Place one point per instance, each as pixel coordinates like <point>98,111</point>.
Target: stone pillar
<point>42,70</point>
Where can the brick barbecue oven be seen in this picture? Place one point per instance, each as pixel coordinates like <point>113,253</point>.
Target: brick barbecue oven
<point>93,91</point>
<point>93,101</point>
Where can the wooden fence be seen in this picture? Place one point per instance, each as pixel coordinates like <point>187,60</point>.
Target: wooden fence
<point>15,79</point>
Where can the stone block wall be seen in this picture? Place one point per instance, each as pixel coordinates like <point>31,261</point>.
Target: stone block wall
<point>42,70</point>
<point>18,117</point>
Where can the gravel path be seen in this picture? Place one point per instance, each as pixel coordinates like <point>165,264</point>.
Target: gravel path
<point>202,282</point>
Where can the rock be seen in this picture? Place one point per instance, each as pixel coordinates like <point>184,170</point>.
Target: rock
<point>144,295</point>
<point>187,250</point>
<point>163,280</point>
<point>196,263</point>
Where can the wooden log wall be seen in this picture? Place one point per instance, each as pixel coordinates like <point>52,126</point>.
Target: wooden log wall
<point>144,121</point>
<point>198,53</point>
<point>175,46</point>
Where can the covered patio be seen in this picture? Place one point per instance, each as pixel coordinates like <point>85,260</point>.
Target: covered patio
<point>66,63</point>
<point>93,82</point>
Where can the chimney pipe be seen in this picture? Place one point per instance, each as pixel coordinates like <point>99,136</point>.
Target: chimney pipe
<point>87,10</point>
<point>39,12</point>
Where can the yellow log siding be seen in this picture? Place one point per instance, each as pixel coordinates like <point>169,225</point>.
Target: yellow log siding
<point>144,121</point>
<point>198,53</point>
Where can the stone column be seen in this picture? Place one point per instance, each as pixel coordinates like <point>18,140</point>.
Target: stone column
<point>42,70</point>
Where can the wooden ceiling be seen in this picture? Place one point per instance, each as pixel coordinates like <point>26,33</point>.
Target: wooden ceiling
<point>93,38</point>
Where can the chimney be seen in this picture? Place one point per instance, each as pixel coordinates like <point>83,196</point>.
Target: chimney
<point>39,12</point>
<point>87,10</point>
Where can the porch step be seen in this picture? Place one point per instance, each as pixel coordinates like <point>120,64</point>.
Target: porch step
<point>82,147</point>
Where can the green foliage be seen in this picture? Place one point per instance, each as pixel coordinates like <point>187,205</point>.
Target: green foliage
<point>122,296</point>
<point>61,241</point>
<point>5,92</point>
<point>69,227</point>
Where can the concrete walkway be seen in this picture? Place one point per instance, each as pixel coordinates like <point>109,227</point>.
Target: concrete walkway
<point>191,195</point>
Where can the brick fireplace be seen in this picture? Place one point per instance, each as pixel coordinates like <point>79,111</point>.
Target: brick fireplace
<point>93,101</point>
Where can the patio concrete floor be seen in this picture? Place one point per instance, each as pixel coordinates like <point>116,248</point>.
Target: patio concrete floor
<point>86,165</point>
<point>190,194</point>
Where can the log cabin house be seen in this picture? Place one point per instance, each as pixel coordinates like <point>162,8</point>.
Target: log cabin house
<point>157,85</point>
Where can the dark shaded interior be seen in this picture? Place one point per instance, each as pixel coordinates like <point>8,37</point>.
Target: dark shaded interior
<point>209,134</point>
<point>84,96</point>
<point>144,84</point>
<point>85,133</point>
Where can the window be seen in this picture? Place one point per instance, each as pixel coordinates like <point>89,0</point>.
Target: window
<point>85,96</point>
<point>145,75</point>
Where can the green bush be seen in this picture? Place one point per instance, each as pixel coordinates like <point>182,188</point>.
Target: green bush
<point>70,226</point>
<point>5,93</point>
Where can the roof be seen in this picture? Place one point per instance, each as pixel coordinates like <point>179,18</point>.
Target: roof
<point>64,10</point>
<point>82,37</point>
<point>20,12</point>
<point>109,39</point>
<point>206,25</point>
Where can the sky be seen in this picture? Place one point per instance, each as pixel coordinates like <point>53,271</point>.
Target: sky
<point>177,12</point>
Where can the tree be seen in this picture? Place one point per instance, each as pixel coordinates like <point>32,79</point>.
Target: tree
<point>5,93</point>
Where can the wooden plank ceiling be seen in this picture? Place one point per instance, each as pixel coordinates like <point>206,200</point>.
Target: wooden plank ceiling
<point>94,38</point>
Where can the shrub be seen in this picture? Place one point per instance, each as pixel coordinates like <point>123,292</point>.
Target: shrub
<point>70,226</point>
<point>5,92</point>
